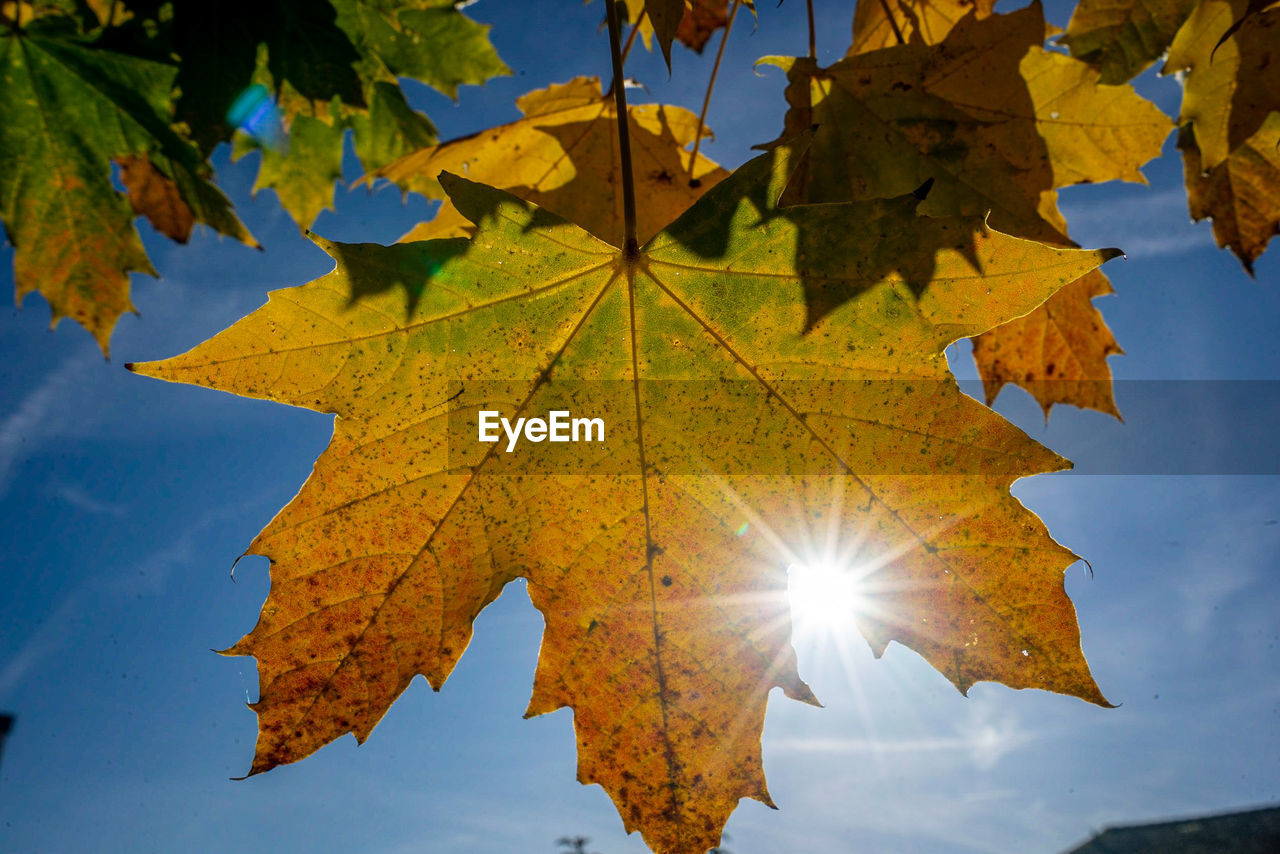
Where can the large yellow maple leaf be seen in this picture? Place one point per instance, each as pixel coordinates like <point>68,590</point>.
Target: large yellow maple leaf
<point>657,555</point>
<point>997,123</point>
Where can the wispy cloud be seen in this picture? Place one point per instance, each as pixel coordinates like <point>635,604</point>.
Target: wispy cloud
<point>984,739</point>
<point>80,498</point>
<point>147,577</point>
<point>1137,244</point>
<point>41,413</point>
<point>1144,225</point>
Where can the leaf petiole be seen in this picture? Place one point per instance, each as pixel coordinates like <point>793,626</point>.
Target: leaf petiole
<point>813,30</point>
<point>631,247</point>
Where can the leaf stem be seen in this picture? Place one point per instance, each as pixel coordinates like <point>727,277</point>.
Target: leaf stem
<point>813,35</point>
<point>884,4</point>
<point>706,100</point>
<point>630,247</point>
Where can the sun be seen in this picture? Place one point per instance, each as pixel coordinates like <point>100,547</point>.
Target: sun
<point>826,596</point>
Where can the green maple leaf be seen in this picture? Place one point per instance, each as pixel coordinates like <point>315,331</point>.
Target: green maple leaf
<point>154,86</point>
<point>67,110</point>
<point>327,67</point>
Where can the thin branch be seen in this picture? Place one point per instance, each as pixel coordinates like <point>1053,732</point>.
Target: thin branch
<point>635,31</point>
<point>884,4</point>
<point>706,101</point>
<point>813,35</point>
<point>630,245</point>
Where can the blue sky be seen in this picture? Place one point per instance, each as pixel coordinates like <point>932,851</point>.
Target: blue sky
<point>127,500</point>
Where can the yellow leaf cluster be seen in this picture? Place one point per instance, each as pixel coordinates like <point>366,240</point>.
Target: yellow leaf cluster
<point>996,123</point>
<point>1229,52</point>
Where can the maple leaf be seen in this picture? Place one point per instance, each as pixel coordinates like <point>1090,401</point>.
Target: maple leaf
<point>1241,194</point>
<point>563,156</point>
<point>1230,53</point>
<point>153,195</point>
<point>67,110</point>
<point>997,123</point>
<point>656,557</point>
<point>698,22</point>
<point>634,13</point>
<point>664,17</point>
<point>1252,7</point>
<point>323,68</point>
<point>154,87</point>
<point>701,19</point>
<point>1230,86</point>
<point>429,40</point>
<point>925,21</point>
<point>1122,39</point>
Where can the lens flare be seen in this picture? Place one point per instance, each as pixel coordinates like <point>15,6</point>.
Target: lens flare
<point>254,111</point>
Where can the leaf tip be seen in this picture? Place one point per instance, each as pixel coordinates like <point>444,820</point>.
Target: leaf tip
<point>324,243</point>
<point>233,566</point>
<point>142,369</point>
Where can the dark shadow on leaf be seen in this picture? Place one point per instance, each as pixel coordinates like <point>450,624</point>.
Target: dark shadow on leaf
<point>567,160</point>
<point>372,268</point>
<point>1257,93</point>
<point>592,198</point>
<point>891,120</point>
<point>839,249</point>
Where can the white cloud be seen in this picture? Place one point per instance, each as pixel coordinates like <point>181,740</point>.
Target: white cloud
<point>80,498</point>
<point>1143,224</point>
<point>44,412</point>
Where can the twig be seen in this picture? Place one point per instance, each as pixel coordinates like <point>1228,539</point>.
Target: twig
<point>635,31</point>
<point>706,101</point>
<point>884,4</point>
<point>813,35</point>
